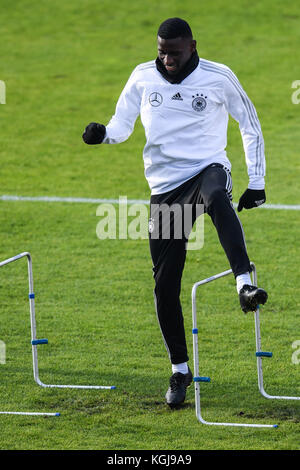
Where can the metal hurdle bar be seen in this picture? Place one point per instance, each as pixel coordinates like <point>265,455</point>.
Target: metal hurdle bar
<point>260,354</point>
<point>198,379</point>
<point>34,341</point>
<point>25,413</point>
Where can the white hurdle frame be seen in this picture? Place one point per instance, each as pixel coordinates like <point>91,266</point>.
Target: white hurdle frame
<point>34,341</point>
<point>197,379</point>
<point>260,354</point>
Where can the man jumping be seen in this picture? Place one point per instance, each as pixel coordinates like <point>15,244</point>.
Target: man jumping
<point>184,102</point>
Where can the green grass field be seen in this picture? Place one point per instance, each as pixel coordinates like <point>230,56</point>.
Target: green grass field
<point>64,65</point>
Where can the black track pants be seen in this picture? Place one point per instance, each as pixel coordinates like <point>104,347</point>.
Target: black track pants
<point>212,189</point>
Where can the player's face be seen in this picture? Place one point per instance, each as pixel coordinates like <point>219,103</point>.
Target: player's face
<point>174,53</point>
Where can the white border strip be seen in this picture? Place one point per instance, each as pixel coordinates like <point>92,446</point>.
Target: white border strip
<point>117,201</point>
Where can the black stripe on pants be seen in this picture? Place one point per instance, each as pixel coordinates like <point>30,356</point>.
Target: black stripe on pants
<point>212,188</point>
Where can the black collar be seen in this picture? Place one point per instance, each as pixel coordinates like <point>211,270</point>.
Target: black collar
<point>189,67</point>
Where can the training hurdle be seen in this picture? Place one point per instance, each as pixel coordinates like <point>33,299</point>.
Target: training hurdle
<point>259,356</point>
<point>35,342</point>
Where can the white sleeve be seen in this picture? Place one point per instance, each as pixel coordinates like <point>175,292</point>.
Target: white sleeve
<point>240,107</point>
<point>121,125</point>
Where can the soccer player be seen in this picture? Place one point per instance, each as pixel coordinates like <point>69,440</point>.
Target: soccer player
<point>184,102</point>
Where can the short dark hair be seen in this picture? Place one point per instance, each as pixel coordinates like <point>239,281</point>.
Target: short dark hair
<point>174,28</point>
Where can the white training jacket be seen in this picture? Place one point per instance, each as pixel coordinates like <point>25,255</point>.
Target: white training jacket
<point>186,124</point>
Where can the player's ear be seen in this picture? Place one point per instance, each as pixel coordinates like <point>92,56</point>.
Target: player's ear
<point>193,45</point>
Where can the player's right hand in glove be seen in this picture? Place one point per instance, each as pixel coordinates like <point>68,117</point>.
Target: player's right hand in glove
<point>94,133</point>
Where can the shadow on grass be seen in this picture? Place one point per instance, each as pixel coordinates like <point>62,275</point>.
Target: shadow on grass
<point>143,392</point>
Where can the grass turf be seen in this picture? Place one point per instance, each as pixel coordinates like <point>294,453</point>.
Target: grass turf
<point>64,65</point>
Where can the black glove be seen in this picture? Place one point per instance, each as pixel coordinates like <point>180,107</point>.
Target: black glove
<point>94,133</point>
<point>251,198</point>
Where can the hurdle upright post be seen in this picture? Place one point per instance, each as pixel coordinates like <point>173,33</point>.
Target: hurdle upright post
<point>197,379</point>
<point>261,354</point>
<point>3,263</point>
<point>35,342</point>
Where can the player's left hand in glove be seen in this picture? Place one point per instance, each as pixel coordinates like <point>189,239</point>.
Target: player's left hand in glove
<point>94,133</point>
<point>251,198</point>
